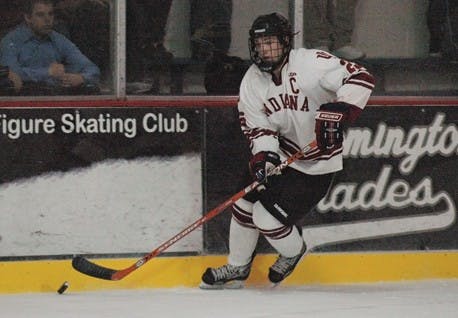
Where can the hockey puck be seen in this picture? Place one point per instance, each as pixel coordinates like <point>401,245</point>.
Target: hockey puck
<point>63,287</point>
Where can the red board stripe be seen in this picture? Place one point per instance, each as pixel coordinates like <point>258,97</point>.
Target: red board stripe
<point>204,101</point>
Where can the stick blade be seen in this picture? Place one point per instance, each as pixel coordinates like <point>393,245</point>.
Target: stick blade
<point>84,266</point>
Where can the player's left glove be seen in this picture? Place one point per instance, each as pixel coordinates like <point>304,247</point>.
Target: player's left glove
<point>329,122</point>
<point>261,164</point>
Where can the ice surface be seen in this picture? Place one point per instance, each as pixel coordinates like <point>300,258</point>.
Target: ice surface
<point>408,299</point>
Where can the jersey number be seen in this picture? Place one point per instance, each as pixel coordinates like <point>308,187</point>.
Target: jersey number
<point>350,66</point>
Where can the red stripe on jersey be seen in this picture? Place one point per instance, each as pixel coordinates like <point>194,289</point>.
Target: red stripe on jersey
<point>362,79</point>
<point>365,77</point>
<point>252,134</point>
<point>360,84</point>
<point>326,155</point>
<point>288,145</point>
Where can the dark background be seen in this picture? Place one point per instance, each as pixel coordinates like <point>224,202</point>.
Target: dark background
<point>227,157</point>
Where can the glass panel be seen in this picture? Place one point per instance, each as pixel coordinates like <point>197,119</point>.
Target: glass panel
<point>60,49</point>
<point>410,46</point>
<point>146,57</point>
<point>199,47</point>
<point>191,47</point>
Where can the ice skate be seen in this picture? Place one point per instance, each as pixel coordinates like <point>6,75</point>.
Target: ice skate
<point>226,277</point>
<point>284,266</point>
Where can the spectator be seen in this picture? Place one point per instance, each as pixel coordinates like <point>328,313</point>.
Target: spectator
<point>210,27</point>
<point>146,54</point>
<point>442,20</point>
<point>329,27</point>
<point>45,60</point>
<point>146,22</point>
<point>210,42</point>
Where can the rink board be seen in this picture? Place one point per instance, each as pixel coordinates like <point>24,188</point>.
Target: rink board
<point>373,238</point>
<point>46,276</point>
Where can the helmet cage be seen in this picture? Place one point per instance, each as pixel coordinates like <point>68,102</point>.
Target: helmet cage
<point>270,25</point>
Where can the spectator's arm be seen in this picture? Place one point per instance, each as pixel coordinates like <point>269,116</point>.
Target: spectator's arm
<point>71,80</point>
<point>16,80</point>
<point>77,63</point>
<point>9,53</point>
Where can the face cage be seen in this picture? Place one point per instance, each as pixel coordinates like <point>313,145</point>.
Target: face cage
<point>266,66</point>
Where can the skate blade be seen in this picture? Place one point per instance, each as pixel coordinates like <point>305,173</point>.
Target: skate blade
<point>234,284</point>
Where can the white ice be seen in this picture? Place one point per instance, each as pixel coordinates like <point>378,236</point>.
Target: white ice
<point>392,300</point>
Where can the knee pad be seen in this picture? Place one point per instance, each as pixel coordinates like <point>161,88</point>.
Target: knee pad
<point>242,213</point>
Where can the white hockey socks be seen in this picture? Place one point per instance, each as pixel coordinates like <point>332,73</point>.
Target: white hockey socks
<point>242,238</point>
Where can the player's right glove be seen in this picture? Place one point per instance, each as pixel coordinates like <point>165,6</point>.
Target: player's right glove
<point>261,164</point>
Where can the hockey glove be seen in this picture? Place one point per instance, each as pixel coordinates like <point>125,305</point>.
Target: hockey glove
<point>261,164</point>
<point>329,122</point>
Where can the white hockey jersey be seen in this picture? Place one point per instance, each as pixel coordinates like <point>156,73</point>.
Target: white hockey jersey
<point>280,117</point>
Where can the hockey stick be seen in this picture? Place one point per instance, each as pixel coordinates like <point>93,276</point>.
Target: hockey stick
<point>87,267</point>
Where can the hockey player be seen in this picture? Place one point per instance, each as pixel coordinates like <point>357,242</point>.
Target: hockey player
<point>288,98</point>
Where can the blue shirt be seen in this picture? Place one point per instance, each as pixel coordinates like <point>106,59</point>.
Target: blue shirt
<point>30,57</point>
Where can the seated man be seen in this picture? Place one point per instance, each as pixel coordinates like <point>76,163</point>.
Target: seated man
<point>46,61</point>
